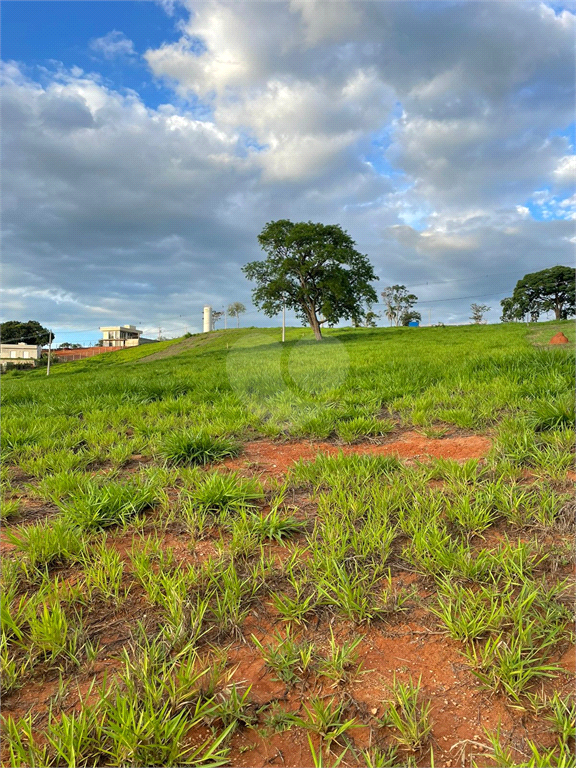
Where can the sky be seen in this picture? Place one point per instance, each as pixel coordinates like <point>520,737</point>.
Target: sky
<point>146,144</point>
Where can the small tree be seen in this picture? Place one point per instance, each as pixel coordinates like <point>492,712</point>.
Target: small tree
<point>13,332</point>
<point>398,301</point>
<point>215,317</point>
<point>235,310</point>
<point>410,317</point>
<point>478,312</point>
<point>548,290</point>
<point>313,269</point>
<point>370,319</point>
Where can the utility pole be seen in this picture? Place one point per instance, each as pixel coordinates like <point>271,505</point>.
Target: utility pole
<point>283,322</point>
<point>159,333</point>
<point>49,353</point>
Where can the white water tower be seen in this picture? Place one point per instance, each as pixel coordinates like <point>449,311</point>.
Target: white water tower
<point>207,319</point>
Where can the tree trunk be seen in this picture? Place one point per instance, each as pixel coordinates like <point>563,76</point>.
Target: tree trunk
<point>557,308</point>
<point>237,321</point>
<point>315,324</point>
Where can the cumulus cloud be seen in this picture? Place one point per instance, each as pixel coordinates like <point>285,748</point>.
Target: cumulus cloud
<point>430,131</point>
<point>113,44</point>
<point>565,171</point>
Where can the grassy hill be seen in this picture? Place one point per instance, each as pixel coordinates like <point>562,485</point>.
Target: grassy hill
<point>468,376</point>
<point>356,552</point>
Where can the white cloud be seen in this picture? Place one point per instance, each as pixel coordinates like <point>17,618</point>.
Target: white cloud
<point>113,44</point>
<point>422,128</point>
<point>565,172</point>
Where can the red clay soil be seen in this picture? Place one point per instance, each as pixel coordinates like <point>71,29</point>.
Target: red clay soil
<point>271,458</point>
<point>559,338</point>
<point>461,709</point>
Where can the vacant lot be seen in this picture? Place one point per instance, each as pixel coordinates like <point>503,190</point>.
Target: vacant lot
<point>357,553</point>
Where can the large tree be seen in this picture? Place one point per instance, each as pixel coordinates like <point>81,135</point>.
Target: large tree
<point>538,292</point>
<point>313,269</point>
<point>398,302</point>
<point>13,332</point>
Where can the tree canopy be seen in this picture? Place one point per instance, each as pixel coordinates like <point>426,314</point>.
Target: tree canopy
<point>539,292</point>
<point>410,316</point>
<point>478,312</point>
<point>235,310</point>
<point>313,269</point>
<point>14,331</point>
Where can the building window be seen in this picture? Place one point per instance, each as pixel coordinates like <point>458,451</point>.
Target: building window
<point>12,353</point>
<point>25,353</point>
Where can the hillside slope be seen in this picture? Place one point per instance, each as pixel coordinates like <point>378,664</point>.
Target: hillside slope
<point>352,553</point>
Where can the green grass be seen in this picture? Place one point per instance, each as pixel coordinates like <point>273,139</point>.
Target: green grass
<point>181,579</point>
<point>183,448</point>
<point>409,714</point>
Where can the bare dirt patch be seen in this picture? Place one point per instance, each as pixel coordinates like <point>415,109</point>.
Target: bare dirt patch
<point>271,458</point>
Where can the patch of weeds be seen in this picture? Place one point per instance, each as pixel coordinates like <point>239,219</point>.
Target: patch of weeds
<point>339,661</point>
<point>563,716</point>
<point>382,758</point>
<point>409,715</point>
<point>274,526</point>
<point>97,507</point>
<point>141,733</point>
<point>560,756</point>
<point>59,486</point>
<point>51,633</point>
<point>10,509</point>
<point>13,614</point>
<point>552,414</point>
<point>343,469</point>
<point>226,493</point>
<point>47,543</point>
<point>434,433</point>
<point>327,718</point>
<point>472,514</point>
<point>276,719</point>
<point>230,599</point>
<point>103,571</point>
<point>19,739</point>
<point>290,659</point>
<point>512,662</point>
<point>362,427</point>
<point>234,708</point>
<point>355,593</point>
<point>200,448</point>
<point>295,608</point>
<point>12,667</point>
<point>468,614</point>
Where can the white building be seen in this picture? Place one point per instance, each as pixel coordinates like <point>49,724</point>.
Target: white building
<point>19,353</point>
<point>122,336</point>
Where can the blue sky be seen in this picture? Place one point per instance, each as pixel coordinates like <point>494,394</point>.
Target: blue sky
<point>145,145</point>
<point>42,34</point>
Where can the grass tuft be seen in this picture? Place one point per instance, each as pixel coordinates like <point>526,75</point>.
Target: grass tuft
<point>201,448</point>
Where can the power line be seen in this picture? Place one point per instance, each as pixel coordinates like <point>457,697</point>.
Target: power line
<point>454,298</point>
<point>463,279</point>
